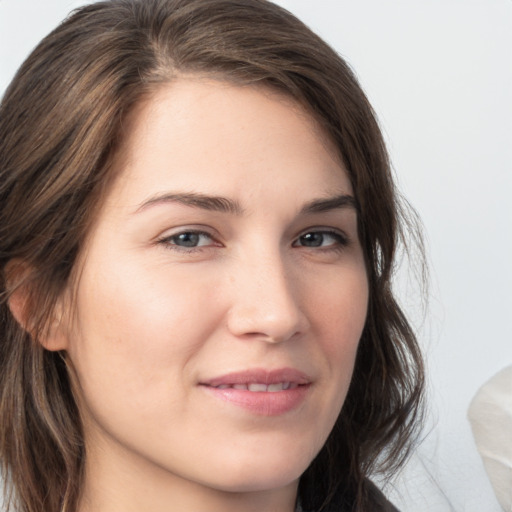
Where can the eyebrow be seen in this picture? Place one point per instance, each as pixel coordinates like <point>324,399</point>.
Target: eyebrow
<point>330,203</point>
<point>197,200</point>
<point>226,205</point>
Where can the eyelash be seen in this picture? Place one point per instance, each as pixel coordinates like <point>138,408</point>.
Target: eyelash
<point>340,240</point>
<point>170,241</point>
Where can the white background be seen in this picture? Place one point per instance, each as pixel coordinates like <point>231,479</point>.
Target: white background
<point>439,74</point>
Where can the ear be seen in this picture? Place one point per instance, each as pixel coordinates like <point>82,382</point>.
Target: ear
<point>21,303</point>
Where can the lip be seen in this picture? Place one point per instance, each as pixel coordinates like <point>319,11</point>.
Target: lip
<point>261,402</point>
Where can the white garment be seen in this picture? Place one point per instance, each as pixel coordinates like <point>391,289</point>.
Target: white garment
<point>490,415</point>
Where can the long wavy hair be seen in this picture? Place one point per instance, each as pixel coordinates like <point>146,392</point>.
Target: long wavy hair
<point>60,125</point>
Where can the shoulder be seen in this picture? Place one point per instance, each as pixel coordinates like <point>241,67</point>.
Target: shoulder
<point>379,502</point>
<point>374,501</point>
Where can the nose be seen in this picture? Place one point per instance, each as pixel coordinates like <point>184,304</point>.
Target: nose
<point>265,301</point>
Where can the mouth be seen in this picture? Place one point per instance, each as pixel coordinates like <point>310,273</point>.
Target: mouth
<point>260,380</point>
<point>261,392</point>
<point>258,387</point>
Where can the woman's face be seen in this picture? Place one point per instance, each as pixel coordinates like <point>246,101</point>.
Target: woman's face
<point>221,294</point>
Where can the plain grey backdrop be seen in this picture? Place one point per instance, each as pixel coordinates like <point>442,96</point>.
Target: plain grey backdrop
<point>439,74</point>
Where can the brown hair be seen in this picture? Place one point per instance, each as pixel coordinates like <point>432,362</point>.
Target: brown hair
<point>60,124</point>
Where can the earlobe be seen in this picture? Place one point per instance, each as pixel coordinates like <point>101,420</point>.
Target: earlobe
<point>54,335</point>
<point>51,334</point>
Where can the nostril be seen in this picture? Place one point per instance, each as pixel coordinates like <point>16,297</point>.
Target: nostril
<point>270,329</point>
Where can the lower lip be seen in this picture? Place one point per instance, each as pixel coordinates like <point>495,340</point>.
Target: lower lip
<point>263,403</point>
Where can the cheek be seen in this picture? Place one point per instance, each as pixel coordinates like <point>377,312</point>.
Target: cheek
<point>131,329</point>
<point>340,320</point>
<point>138,331</point>
<point>340,309</point>
<point>136,304</point>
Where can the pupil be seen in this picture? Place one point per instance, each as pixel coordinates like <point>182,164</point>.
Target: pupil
<point>312,239</point>
<point>188,239</point>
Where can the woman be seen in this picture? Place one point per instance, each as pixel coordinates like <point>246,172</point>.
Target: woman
<point>198,225</point>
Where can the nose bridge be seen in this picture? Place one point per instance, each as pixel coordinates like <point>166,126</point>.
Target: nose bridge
<point>265,299</point>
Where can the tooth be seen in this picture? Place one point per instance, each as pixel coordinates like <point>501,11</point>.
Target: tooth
<point>257,387</point>
<point>286,385</point>
<point>240,386</point>
<point>223,386</point>
<point>276,387</point>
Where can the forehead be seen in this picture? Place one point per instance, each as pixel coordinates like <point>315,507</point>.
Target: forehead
<point>197,133</point>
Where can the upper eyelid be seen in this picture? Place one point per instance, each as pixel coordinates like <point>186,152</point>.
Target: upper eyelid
<point>199,229</point>
<point>324,229</point>
<point>210,231</point>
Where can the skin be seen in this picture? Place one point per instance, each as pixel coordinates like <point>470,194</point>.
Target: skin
<point>269,284</point>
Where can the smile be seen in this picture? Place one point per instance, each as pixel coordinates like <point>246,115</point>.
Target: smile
<point>257,387</point>
<point>261,392</point>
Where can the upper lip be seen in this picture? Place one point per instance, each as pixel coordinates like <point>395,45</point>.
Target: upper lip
<point>260,376</point>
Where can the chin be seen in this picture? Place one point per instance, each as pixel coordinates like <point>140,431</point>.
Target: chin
<point>263,474</point>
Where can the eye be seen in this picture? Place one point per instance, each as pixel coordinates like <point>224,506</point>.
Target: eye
<point>188,240</point>
<point>321,239</point>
